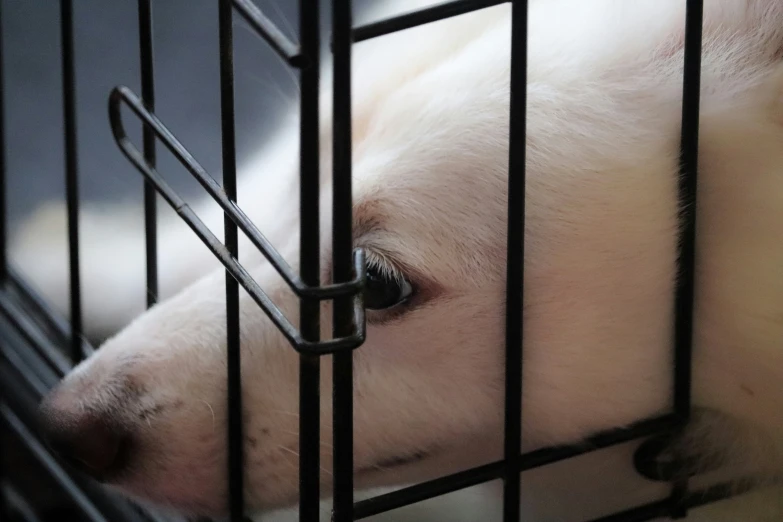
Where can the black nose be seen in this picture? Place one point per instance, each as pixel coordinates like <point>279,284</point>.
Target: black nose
<point>85,440</point>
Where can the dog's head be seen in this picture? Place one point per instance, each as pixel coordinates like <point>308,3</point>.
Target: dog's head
<point>148,411</point>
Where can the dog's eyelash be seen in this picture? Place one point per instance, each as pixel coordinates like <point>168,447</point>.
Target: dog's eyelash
<point>383,265</point>
<point>387,268</point>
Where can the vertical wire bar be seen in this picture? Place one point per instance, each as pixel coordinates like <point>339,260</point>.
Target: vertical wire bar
<point>4,510</point>
<point>3,216</point>
<point>71,173</point>
<point>689,155</point>
<point>515,259</point>
<point>234,374</point>
<point>146,51</point>
<point>342,246</point>
<point>309,238</point>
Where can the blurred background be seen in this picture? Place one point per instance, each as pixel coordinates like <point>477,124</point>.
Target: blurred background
<point>107,54</point>
<point>106,41</point>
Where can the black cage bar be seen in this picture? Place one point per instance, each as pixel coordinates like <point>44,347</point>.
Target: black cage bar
<point>71,173</point>
<point>147,73</point>
<point>309,258</point>
<point>515,254</point>
<point>234,374</point>
<point>342,245</point>
<point>34,338</point>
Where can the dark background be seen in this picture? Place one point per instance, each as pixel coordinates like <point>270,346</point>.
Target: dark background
<point>107,54</point>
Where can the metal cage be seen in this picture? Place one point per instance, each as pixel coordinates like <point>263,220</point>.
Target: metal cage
<point>35,341</point>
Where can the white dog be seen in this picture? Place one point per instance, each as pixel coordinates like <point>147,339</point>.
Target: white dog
<point>147,412</point>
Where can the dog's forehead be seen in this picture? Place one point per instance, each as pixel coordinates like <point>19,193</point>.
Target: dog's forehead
<point>426,140</point>
<point>429,184</point>
<point>431,168</point>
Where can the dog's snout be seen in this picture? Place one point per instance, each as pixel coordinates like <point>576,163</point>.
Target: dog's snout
<point>85,438</point>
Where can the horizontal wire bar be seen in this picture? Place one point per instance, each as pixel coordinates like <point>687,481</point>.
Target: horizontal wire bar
<point>657,509</point>
<point>662,508</point>
<point>646,428</point>
<point>55,470</point>
<point>187,214</point>
<point>495,470</point>
<point>719,492</point>
<point>427,490</point>
<point>420,17</point>
<point>279,42</point>
<point>489,472</point>
<point>216,191</point>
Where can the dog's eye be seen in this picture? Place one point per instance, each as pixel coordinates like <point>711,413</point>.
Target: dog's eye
<point>383,290</point>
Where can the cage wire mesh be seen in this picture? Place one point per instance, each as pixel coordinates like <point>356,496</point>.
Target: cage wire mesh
<point>39,347</point>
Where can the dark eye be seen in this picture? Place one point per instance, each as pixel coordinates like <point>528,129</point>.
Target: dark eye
<point>383,290</point>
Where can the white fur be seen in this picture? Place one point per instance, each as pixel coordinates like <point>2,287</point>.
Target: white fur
<point>430,161</point>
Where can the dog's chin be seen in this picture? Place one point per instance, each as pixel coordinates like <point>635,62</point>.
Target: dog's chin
<point>386,472</point>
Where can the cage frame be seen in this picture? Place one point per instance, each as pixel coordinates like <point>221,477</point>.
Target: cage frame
<point>35,338</point>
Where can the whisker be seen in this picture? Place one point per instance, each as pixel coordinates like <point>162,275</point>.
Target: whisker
<point>272,86</point>
<point>284,412</point>
<point>212,411</point>
<point>285,21</point>
<point>289,72</point>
